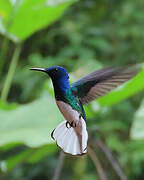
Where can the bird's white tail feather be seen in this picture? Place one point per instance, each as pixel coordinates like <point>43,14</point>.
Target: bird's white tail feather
<point>67,138</point>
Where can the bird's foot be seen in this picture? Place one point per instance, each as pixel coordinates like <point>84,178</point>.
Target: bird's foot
<point>68,125</point>
<point>72,124</point>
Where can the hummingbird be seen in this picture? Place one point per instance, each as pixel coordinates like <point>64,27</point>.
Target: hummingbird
<point>71,135</point>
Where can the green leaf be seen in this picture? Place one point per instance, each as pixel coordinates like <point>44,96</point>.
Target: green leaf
<point>122,92</point>
<point>30,155</point>
<point>30,124</point>
<point>5,106</point>
<point>7,147</point>
<point>5,8</point>
<point>41,152</point>
<point>23,18</point>
<point>14,160</point>
<point>137,130</point>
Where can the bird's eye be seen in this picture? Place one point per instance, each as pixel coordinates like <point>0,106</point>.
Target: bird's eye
<point>56,69</point>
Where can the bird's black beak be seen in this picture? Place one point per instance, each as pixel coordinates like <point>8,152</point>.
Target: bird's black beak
<point>38,69</point>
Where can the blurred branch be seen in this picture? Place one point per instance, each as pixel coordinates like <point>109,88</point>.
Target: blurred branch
<point>3,53</point>
<point>59,166</point>
<point>11,72</point>
<point>97,163</point>
<point>5,43</point>
<point>79,168</point>
<point>111,159</point>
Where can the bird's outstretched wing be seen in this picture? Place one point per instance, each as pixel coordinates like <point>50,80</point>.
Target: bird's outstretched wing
<point>101,82</point>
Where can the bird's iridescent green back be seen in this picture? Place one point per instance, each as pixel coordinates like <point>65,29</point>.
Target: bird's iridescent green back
<point>74,102</point>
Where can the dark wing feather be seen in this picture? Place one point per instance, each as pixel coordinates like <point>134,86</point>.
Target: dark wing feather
<point>101,82</point>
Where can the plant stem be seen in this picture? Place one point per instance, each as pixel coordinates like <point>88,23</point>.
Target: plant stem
<point>111,159</point>
<point>3,53</point>
<point>6,39</point>
<point>97,164</point>
<point>79,168</point>
<point>59,166</point>
<point>10,74</point>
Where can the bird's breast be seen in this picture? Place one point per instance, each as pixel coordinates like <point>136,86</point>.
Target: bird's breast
<point>68,112</point>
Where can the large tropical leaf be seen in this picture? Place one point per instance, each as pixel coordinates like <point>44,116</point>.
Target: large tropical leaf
<point>30,124</point>
<point>21,18</point>
<point>137,130</point>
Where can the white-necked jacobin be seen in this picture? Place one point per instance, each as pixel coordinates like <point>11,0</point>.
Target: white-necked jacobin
<point>71,135</point>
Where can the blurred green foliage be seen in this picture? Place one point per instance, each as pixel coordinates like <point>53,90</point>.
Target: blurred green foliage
<point>90,34</point>
<point>28,15</point>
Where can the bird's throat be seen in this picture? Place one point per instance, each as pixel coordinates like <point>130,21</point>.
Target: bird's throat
<point>60,87</point>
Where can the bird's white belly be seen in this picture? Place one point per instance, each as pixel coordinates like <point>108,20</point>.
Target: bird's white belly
<point>68,112</point>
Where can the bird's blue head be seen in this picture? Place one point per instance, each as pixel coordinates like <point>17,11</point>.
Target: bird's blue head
<point>58,74</point>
